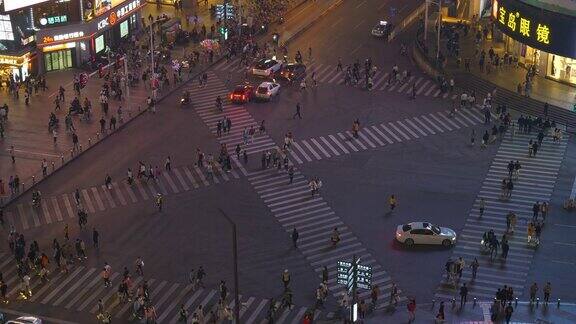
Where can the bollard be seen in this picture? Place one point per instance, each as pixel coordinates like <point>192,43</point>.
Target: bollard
<point>89,141</point>
<point>453,302</point>
<point>53,166</point>
<point>71,152</point>
<point>537,301</point>
<point>516,302</point>
<point>62,158</point>
<point>97,135</point>
<point>80,148</point>
<point>33,179</point>
<point>558,303</point>
<point>474,304</point>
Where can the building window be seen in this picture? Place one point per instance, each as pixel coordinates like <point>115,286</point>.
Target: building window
<point>6,28</point>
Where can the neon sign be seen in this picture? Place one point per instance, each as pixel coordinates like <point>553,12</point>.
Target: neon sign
<point>116,15</point>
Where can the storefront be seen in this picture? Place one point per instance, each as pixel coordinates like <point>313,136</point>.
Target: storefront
<point>17,67</point>
<point>74,44</point>
<point>541,39</point>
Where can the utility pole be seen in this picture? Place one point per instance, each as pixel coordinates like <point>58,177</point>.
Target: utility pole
<point>354,287</point>
<point>235,256</point>
<point>439,28</point>
<point>152,69</point>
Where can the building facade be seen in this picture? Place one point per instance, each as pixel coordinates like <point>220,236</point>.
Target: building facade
<point>540,36</point>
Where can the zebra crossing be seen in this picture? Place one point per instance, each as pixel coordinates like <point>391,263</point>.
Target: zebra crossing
<point>81,288</point>
<point>291,204</point>
<point>330,74</point>
<point>374,136</point>
<point>95,199</point>
<point>536,182</point>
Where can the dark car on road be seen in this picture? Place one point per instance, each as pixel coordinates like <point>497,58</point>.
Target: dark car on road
<point>292,72</point>
<point>242,93</point>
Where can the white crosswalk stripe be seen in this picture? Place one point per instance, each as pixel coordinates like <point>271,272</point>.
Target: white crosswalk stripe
<point>535,183</point>
<point>81,288</point>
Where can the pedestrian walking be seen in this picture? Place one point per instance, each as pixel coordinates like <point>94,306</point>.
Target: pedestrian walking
<point>533,291</point>
<point>291,174</point>
<point>411,310</point>
<point>481,206</point>
<point>394,295</point>
<point>54,136</point>
<point>298,111</point>
<point>374,294</point>
<point>168,164</point>
<point>392,202</point>
<point>95,238</point>
<point>286,278</point>
<point>463,295</point>
<point>474,265</point>
<point>295,236</point>
<point>508,312</point>
<point>547,291</point>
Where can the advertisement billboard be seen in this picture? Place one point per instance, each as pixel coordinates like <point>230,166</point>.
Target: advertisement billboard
<point>99,44</point>
<point>544,30</point>
<point>124,29</point>
<point>10,5</point>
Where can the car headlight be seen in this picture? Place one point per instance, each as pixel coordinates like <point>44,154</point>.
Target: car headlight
<point>453,238</point>
<point>398,234</point>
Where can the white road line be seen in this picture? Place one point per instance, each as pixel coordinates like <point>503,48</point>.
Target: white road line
<point>391,133</point>
<point>329,145</point>
<point>119,194</point>
<point>408,129</point>
<point>88,201</point>
<point>316,155</point>
<point>141,190</point>
<point>130,192</point>
<point>257,311</point>
<point>77,284</point>
<point>424,125</point>
<point>171,182</point>
<point>432,124</point>
<point>399,131</point>
<point>382,134</point>
<point>299,148</point>
<point>422,87</point>
<point>57,209</point>
<point>45,212</point>
<point>367,131</point>
<point>440,122</point>
<point>201,175</point>
<point>108,197</point>
<point>366,139</point>
<point>315,142</point>
<point>430,90</point>
<point>181,180</point>
<point>337,142</point>
<point>188,174</point>
<point>347,141</point>
<point>408,121</point>
<point>99,202</point>
<point>68,206</point>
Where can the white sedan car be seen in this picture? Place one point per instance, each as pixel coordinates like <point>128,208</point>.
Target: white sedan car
<point>267,90</point>
<point>25,320</point>
<point>425,233</point>
<point>266,67</point>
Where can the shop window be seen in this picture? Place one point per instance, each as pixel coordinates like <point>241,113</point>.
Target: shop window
<point>58,60</point>
<point>562,68</point>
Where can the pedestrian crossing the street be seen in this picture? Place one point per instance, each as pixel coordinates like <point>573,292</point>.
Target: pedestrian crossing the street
<point>291,204</point>
<point>535,183</point>
<point>384,134</point>
<point>99,198</point>
<point>80,289</point>
<point>382,81</point>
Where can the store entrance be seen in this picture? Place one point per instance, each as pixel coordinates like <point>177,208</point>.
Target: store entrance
<point>58,60</point>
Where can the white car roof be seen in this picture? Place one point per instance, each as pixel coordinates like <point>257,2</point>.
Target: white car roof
<point>266,84</point>
<point>419,224</point>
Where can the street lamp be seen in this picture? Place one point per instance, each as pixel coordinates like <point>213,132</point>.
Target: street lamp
<point>152,72</point>
<point>235,252</point>
<point>439,3</point>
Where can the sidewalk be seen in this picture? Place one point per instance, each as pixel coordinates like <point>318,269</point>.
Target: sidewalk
<point>479,313</point>
<point>508,77</point>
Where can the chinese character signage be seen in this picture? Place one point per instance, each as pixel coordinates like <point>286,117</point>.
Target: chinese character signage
<point>545,30</point>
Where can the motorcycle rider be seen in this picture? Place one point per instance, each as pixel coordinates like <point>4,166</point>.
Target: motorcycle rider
<point>36,198</point>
